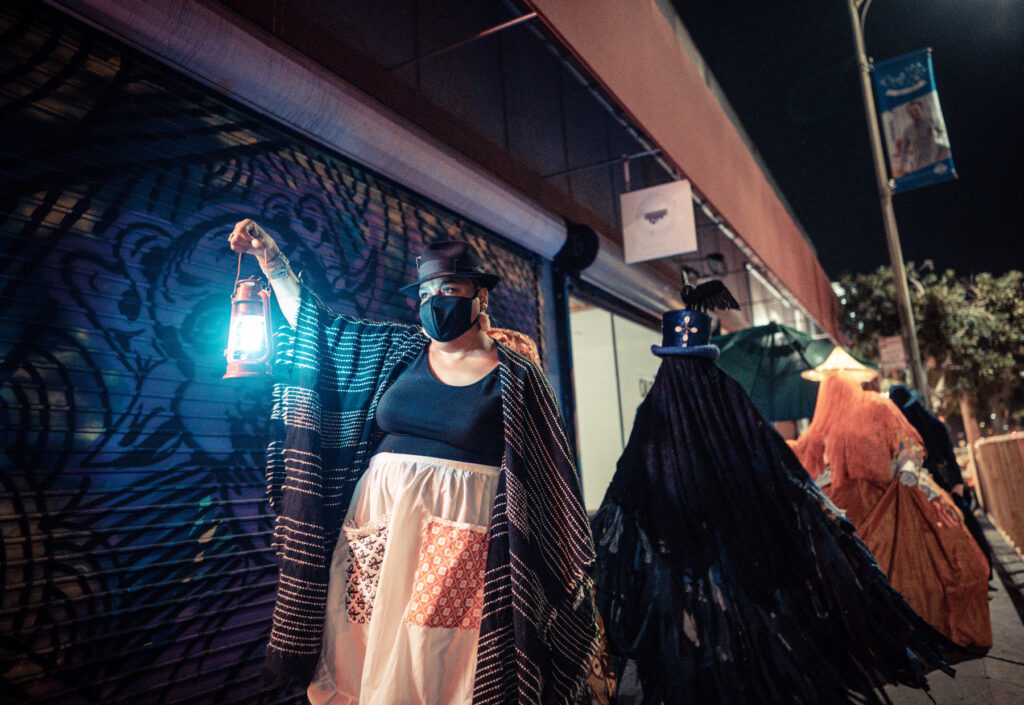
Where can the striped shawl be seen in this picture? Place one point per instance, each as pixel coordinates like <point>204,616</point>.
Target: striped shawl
<point>538,634</point>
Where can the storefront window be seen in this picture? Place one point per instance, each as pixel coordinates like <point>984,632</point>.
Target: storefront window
<point>613,368</point>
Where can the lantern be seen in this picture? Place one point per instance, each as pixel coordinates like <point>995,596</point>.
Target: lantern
<point>249,342</point>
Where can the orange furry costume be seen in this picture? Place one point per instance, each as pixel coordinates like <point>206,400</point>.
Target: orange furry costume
<point>867,458</point>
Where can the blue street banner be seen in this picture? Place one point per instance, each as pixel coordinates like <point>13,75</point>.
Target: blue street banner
<point>915,133</point>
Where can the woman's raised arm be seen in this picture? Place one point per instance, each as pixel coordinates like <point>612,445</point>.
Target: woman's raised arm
<point>248,237</point>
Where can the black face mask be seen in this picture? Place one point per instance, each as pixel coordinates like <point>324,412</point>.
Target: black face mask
<point>446,317</point>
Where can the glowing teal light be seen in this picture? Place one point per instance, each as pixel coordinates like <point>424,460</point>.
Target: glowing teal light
<point>248,339</point>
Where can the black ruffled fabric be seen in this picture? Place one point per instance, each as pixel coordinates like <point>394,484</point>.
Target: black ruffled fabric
<point>727,575</point>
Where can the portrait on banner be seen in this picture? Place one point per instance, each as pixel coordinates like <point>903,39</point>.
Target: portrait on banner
<point>921,138</point>
<point>917,141</point>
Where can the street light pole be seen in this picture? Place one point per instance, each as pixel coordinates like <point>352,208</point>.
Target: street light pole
<point>892,235</point>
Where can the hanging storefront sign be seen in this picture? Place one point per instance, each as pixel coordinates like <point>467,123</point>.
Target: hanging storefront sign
<point>915,133</point>
<point>658,222</point>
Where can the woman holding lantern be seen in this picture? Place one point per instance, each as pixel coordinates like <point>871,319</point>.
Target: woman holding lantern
<point>433,544</point>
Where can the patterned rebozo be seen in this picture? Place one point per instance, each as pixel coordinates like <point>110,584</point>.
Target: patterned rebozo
<point>538,635</point>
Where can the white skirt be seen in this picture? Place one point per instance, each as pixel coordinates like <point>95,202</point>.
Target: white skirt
<point>406,585</point>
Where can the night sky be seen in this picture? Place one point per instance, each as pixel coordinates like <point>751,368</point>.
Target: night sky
<point>789,71</point>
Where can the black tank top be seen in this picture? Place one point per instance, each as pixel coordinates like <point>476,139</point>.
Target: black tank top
<point>421,415</point>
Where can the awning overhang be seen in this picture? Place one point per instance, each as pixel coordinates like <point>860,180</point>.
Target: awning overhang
<point>633,52</point>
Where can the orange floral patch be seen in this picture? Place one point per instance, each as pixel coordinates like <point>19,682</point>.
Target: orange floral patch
<point>448,590</point>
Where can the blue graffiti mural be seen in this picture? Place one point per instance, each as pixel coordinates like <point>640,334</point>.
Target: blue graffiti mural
<point>136,565</point>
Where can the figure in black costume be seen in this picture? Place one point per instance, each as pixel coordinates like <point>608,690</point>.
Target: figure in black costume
<point>940,460</point>
<point>723,571</point>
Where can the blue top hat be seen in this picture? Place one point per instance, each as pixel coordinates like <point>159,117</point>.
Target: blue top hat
<point>685,332</point>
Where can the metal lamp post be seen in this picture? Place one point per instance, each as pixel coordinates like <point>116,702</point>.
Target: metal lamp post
<point>892,236</point>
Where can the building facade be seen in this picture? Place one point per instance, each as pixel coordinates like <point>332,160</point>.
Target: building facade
<point>136,558</point>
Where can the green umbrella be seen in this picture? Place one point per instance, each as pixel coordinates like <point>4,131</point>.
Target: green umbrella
<point>767,362</point>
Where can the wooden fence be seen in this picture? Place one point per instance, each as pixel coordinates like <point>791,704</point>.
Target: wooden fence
<point>1000,467</point>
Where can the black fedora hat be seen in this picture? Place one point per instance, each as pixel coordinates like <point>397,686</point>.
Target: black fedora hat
<point>449,258</point>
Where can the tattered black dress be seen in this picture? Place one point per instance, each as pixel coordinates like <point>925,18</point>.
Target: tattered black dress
<point>728,576</point>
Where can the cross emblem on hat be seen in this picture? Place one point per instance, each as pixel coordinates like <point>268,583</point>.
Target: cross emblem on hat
<point>686,329</point>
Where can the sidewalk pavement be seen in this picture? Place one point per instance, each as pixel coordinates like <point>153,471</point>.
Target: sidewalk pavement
<point>996,678</point>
